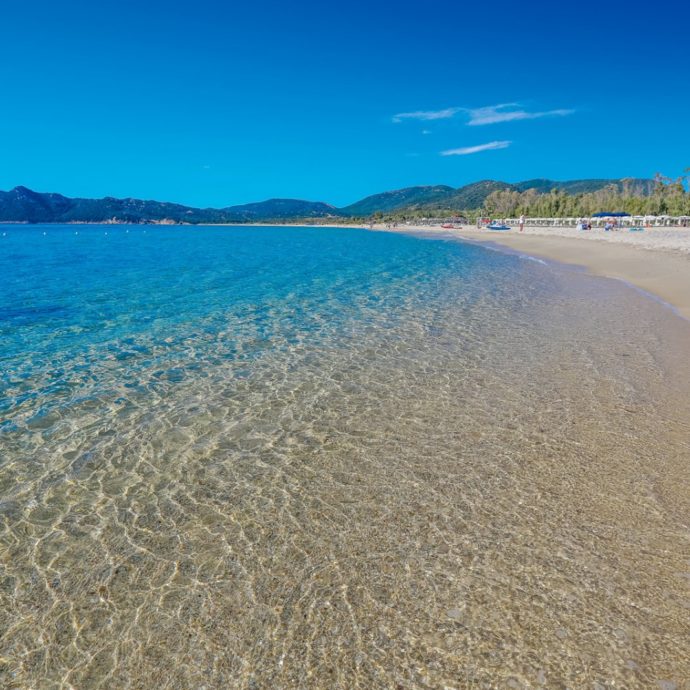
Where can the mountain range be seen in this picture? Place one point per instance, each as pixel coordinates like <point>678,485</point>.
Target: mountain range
<point>26,206</point>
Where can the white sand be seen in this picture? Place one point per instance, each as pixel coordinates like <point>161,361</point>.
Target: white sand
<point>674,239</point>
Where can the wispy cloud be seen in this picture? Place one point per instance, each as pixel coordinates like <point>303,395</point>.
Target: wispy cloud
<point>487,115</point>
<point>491,146</point>
<point>425,115</point>
<point>507,112</point>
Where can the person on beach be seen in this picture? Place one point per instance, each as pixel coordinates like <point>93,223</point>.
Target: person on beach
<point>521,223</point>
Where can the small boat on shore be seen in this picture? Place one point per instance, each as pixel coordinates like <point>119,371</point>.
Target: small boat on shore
<point>497,226</point>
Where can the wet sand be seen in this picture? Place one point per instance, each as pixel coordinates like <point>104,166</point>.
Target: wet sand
<point>643,260</point>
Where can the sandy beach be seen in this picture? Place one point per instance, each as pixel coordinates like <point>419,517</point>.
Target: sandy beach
<point>656,260</point>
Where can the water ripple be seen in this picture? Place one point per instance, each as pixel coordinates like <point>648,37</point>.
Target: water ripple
<point>303,458</point>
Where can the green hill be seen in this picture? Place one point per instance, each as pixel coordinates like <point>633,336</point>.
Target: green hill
<point>473,195</point>
<point>24,205</point>
<point>630,184</point>
<point>397,199</point>
<point>280,209</point>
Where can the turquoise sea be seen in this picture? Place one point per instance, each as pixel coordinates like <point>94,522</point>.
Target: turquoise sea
<point>332,458</point>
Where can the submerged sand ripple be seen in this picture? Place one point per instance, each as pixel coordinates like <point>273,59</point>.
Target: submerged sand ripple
<point>454,500</point>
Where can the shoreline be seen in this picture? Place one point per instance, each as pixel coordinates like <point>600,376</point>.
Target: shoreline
<point>656,261</point>
<point>650,266</point>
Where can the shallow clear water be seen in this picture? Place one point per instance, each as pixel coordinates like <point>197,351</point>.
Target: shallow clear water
<point>305,458</point>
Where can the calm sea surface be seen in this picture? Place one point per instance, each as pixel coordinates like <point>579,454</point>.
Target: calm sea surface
<point>325,458</point>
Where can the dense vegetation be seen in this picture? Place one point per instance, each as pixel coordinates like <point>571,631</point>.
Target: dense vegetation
<point>668,197</point>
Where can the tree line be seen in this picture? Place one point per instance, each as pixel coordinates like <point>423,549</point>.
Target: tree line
<point>669,198</point>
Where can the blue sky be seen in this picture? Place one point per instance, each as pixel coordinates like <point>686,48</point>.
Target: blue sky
<point>214,103</point>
